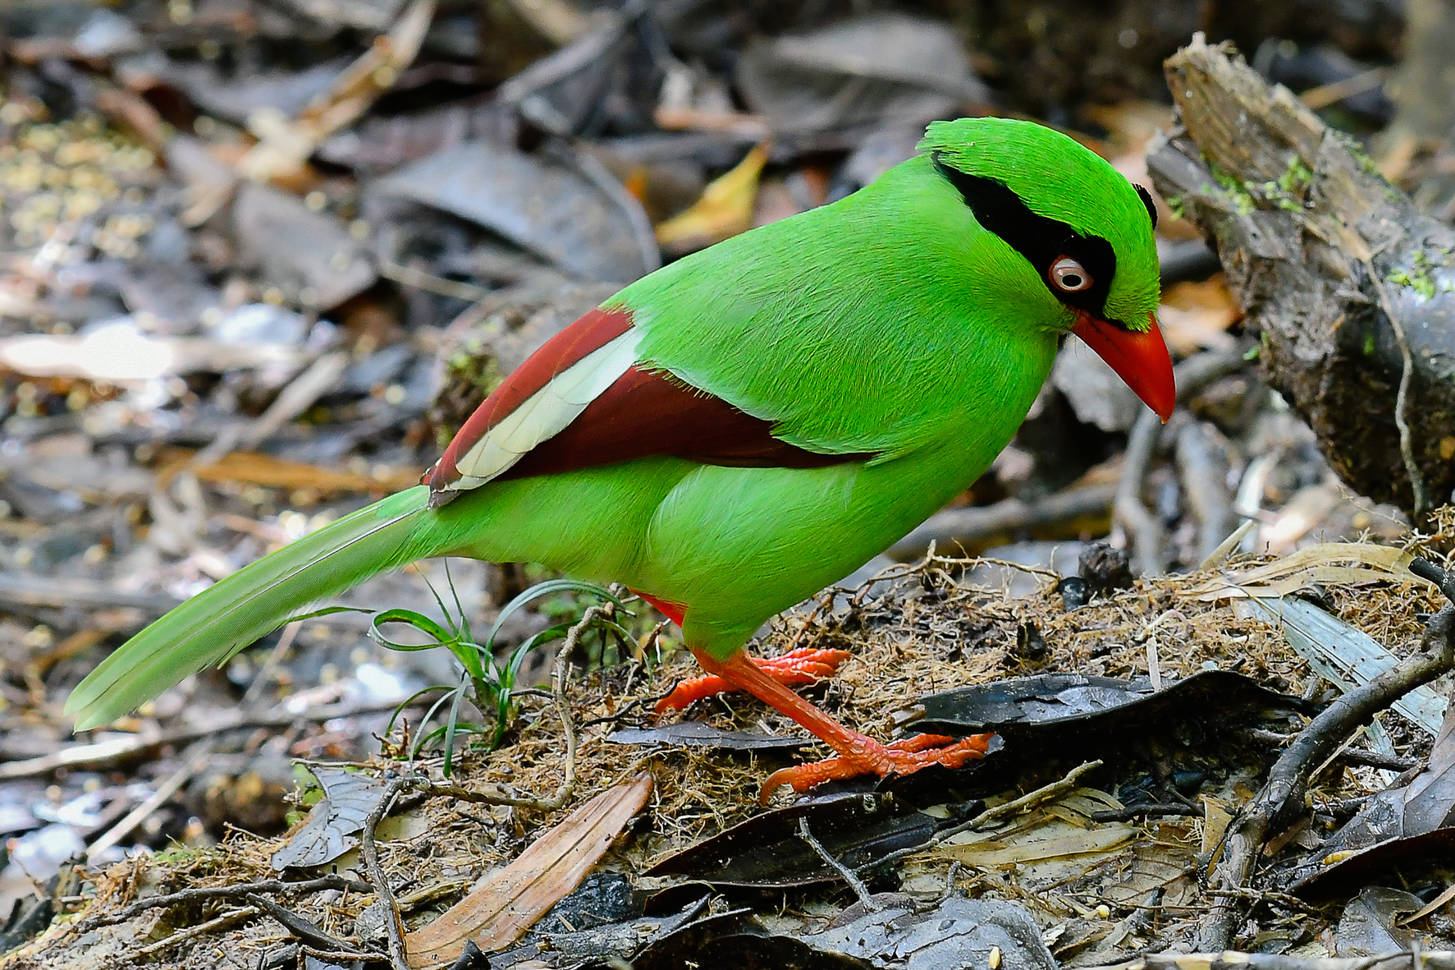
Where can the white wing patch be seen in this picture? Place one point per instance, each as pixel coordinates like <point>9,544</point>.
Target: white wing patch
<point>546,412</point>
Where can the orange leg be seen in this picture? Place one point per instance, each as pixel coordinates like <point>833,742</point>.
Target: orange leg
<point>859,754</point>
<point>768,680</point>
<point>795,668</point>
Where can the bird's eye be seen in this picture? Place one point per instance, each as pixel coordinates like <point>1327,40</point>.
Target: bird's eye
<point>1069,276</point>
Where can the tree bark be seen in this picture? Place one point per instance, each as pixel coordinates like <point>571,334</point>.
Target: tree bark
<point>1351,288</point>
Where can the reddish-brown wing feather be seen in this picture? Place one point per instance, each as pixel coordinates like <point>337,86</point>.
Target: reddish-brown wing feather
<point>593,329</point>
<point>649,413</point>
<point>643,413</point>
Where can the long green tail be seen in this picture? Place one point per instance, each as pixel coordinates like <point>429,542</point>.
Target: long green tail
<point>223,619</point>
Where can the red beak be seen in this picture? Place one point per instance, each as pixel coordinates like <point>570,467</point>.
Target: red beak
<point>1140,359</point>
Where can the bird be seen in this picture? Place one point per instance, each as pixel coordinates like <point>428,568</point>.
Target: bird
<point>739,429</point>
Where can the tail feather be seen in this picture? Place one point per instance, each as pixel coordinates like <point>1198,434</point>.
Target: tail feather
<point>223,619</point>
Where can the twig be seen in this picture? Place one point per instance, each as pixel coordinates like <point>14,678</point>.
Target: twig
<point>1444,579</point>
<point>341,956</point>
<point>848,875</point>
<point>1283,794</point>
<point>1401,399</point>
<point>1350,756</point>
<point>430,283</point>
<point>1226,547</point>
<point>974,527</point>
<point>1230,960</point>
<point>1286,900</point>
<point>619,715</point>
<point>1328,95</point>
<point>197,929</point>
<point>1031,799</point>
<point>585,51</point>
<point>263,677</point>
<point>1145,532</point>
<point>198,894</point>
<point>1187,259</point>
<point>369,850</point>
<point>297,396</point>
<point>21,593</point>
<point>646,240</point>
<point>1128,812</point>
<point>303,929</point>
<point>1202,470</point>
<point>558,687</point>
<point>114,752</point>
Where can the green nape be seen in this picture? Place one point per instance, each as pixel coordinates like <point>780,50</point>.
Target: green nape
<point>1057,177</point>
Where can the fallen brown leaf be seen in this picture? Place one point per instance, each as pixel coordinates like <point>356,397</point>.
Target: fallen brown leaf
<point>255,468</point>
<point>1327,563</point>
<point>725,209</point>
<point>1196,316</point>
<point>284,144</point>
<point>508,902</point>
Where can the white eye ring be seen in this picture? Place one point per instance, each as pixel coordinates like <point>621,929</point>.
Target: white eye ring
<point>1069,276</point>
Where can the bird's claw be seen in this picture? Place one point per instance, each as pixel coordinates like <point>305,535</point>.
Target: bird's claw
<point>898,758</point>
<point>793,669</point>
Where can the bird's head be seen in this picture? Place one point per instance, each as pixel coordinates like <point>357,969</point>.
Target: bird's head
<point>1070,233</point>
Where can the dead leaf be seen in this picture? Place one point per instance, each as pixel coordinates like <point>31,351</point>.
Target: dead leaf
<point>508,902</point>
<point>868,68</point>
<point>725,209</point>
<point>256,468</point>
<point>540,205</point>
<point>1066,712</point>
<point>328,832</point>
<point>1052,834</point>
<point>1343,654</point>
<point>1216,817</point>
<point>1163,864</point>
<point>1368,924</point>
<point>768,850</point>
<point>284,144</point>
<point>956,932</point>
<point>309,255</point>
<point>1430,796</point>
<point>1328,563</point>
<point>1196,316</point>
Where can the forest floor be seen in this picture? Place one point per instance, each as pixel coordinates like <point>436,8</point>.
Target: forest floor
<point>261,257</point>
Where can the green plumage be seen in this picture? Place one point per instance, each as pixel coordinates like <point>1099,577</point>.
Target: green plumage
<point>888,323</point>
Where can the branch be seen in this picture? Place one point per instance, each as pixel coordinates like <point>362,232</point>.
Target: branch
<point>1351,287</point>
<point>1283,794</point>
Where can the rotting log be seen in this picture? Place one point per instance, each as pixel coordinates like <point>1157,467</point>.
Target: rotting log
<point>1350,286</point>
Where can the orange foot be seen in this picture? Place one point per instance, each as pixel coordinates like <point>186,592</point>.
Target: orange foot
<point>802,666</point>
<point>872,758</point>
